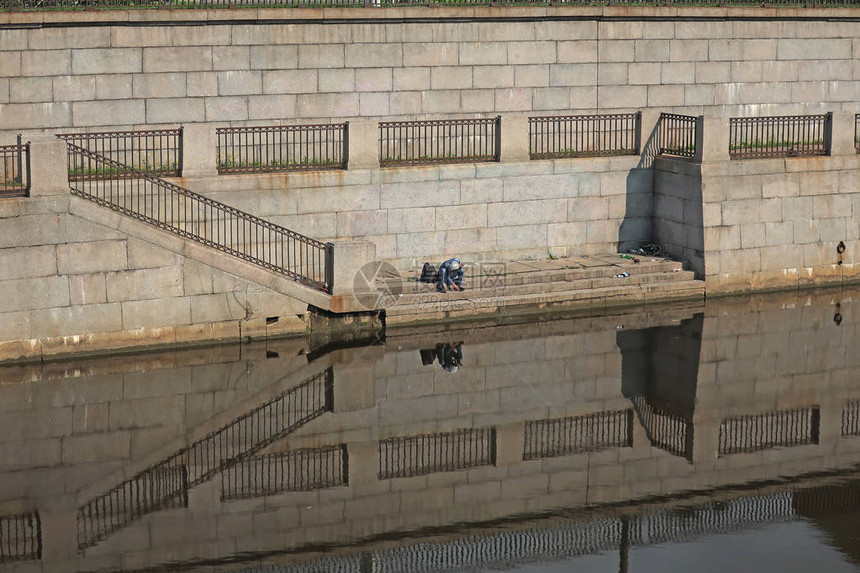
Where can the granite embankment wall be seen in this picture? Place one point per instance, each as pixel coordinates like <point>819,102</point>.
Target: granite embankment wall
<point>93,70</point>
<point>481,212</point>
<point>787,354</point>
<point>764,223</point>
<point>86,70</point>
<point>79,278</point>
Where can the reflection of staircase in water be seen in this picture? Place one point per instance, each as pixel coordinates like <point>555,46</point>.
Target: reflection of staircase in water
<point>166,484</point>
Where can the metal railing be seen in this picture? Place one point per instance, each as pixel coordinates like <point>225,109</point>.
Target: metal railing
<point>666,431</point>
<point>779,136</point>
<point>743,434</point>
<point>301,470</point>
<point>20,537</point>
<point>677,135</point>
<point>154,152</point>
<point>193,216</point>
<point>204,4</point>
<point>439,141</point>
<point>282,148</point>
<point>584,135</point>
<point>15,169</point>
<point>851,419</point>
<point>166,484</point>
<point>857,132</point>
<point>420,455</point>
<point>591,433</point>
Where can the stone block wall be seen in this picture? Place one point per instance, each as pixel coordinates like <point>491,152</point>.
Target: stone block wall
<point>74,285</point>
<point>482,212</point>
<point>63,72</point>
<point>761,224</point>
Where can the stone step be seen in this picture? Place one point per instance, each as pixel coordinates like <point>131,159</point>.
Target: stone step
<point>442,306</point>
<point>407,297</point>
<point>541,278</point>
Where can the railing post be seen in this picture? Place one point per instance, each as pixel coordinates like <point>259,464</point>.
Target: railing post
<point>638,132</point>
<point>21,161</point>
<point>180,145</point>
<point>329,267</point>
<point>345,145</point>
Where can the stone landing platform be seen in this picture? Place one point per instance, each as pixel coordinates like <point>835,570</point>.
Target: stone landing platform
<point>516,287</point>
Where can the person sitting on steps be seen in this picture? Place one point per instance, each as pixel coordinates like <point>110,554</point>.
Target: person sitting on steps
<point>450,275</point>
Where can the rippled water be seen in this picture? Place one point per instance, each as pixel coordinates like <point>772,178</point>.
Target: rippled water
<point>676,438</point>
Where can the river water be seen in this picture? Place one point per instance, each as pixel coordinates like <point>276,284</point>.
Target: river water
<point>687,437</point>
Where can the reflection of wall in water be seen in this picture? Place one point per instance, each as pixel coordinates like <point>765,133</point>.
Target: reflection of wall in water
<point>580,377</point>
<point>659,375</point>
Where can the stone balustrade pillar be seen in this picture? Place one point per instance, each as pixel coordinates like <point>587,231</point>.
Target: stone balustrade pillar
<point>49,167</point>
<point>842,133</point>
<point>199,150</point>
<point>712,138</point>
<point>514,139</point>
<point>363,145</point>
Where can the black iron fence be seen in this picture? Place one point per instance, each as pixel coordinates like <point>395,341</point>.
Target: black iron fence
<point>676,135</point>
<point>20,537</point>
<point>301,470</point>
<point>86,4</point>
<point>741,434</point>
<point>154,152</point>
<point>166,484</point>
<point>15,169</point>
<point>193,216</point>
<point>857,132</point>
<point>779,136</point>
<point>420,455</point>
<point>591,433</point>
<point>439,141</point>
<point>282,148</point>
<point>851,419</point>
<point>584,135</point>
<point>665,430</point>
<point>163,486</point>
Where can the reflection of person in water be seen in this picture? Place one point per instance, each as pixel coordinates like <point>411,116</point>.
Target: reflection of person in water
<point>449,355</point>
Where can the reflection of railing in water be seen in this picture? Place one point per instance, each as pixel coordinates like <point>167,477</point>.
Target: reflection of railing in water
<point>591,433</point>
<point>419,455</point>
<point>722,517</point>
<point>20,537</point>
<point>300,470</point>
<point>501,549</point>
<point>756,432</point>
<point>851,419</point>
<point>582,536</point>
<point>166,484</point>
<point>666,431</point>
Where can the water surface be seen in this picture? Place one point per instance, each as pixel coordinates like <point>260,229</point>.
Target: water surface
<point>712,437</point>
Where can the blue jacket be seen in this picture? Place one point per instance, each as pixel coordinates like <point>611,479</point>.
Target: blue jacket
<point>447,264</point>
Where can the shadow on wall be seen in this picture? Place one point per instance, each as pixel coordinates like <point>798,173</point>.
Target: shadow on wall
<point>637,228</point>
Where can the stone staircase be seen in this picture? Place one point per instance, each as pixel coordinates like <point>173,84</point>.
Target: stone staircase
<point>530,286</point>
